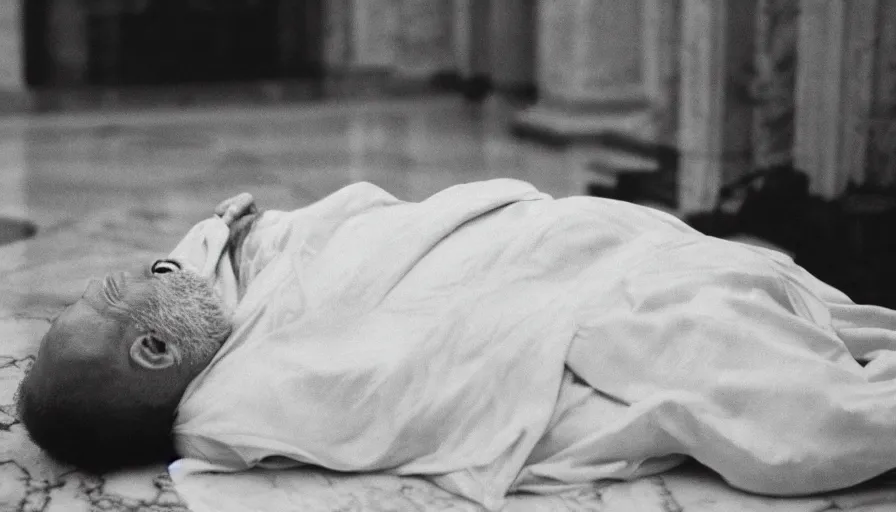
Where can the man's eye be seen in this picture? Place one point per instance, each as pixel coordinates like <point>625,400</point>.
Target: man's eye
<point>165,266</point>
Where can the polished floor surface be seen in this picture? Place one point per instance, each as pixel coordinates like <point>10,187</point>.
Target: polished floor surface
<point>108,190</point>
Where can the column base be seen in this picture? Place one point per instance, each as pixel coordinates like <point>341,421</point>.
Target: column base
<point>615,144</point>
<point>15,101</point>
<point>13,230</point>
<point>556,126</point>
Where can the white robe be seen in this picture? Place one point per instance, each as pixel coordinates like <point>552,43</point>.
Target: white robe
<point>493,339</point>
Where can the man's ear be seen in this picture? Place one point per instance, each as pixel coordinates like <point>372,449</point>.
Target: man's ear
<point>153,353</point>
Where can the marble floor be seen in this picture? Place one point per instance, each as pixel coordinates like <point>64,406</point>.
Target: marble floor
<point>106,190</point>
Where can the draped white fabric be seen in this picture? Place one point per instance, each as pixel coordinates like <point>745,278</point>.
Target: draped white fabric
<point>494,339</point>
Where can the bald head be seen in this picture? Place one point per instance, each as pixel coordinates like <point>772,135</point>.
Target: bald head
<point>105,385</point>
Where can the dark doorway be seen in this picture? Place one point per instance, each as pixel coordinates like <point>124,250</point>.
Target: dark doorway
<point>169,42</point>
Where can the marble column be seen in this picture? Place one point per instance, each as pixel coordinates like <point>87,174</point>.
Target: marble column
<point>774,85</point>
<point>12,37</point>
<point>473,47</point>
<point>337,37</point>
<point>880,167</point>
<point>375,27</point>
<point>361,35</point>
<point>714,129</point>
<point>411,39</point>
<point>463,37</point>
<point>834,85</point>
<point>512,45</point>
<point>589,70</point>
<point>425,38</point>
<point>662,66</point>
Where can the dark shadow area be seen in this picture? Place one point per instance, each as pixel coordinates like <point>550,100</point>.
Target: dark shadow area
<point>848,242</point>
<point>72,43</point>
<point>13,230</point>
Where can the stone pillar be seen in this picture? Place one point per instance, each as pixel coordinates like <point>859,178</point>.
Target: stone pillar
<point>589,70</point>
<point>480,58</point>
<point>12,52</point>
<point>473,37</point>
<point>880,167</point>
<point>512,44</point>
<point>833,91</point>
<point>337,37</point>
<point>374,29</point>
<point>662,68</point>
<point>361,34</point>
<point>774,85</point>
<point>463,37</point>
<point>425,38</point>
<point>714,129</point>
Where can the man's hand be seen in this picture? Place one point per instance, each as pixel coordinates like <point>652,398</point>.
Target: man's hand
<point>239,213</point>
<point>236,207</point>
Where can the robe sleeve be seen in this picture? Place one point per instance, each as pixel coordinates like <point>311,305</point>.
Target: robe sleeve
<point>270,234</point>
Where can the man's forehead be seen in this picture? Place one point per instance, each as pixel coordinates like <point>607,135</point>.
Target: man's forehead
<point>80,333</point>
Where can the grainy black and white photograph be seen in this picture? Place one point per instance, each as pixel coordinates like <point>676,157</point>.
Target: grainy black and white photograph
<point>447,255</point>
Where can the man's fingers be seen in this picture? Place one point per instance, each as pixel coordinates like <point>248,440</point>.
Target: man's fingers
<point>236,206</point>
<point>221,208</point>
<point>228,216</point>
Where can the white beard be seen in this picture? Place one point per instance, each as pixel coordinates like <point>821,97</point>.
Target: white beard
<point>185,310</point>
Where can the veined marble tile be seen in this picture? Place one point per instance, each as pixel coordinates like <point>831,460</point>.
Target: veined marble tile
<point>110,191</point>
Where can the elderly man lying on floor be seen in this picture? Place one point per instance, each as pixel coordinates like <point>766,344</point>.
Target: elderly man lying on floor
<point>490,338</point>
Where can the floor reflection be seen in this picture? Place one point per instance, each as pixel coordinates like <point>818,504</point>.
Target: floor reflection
<point>59,167</point>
